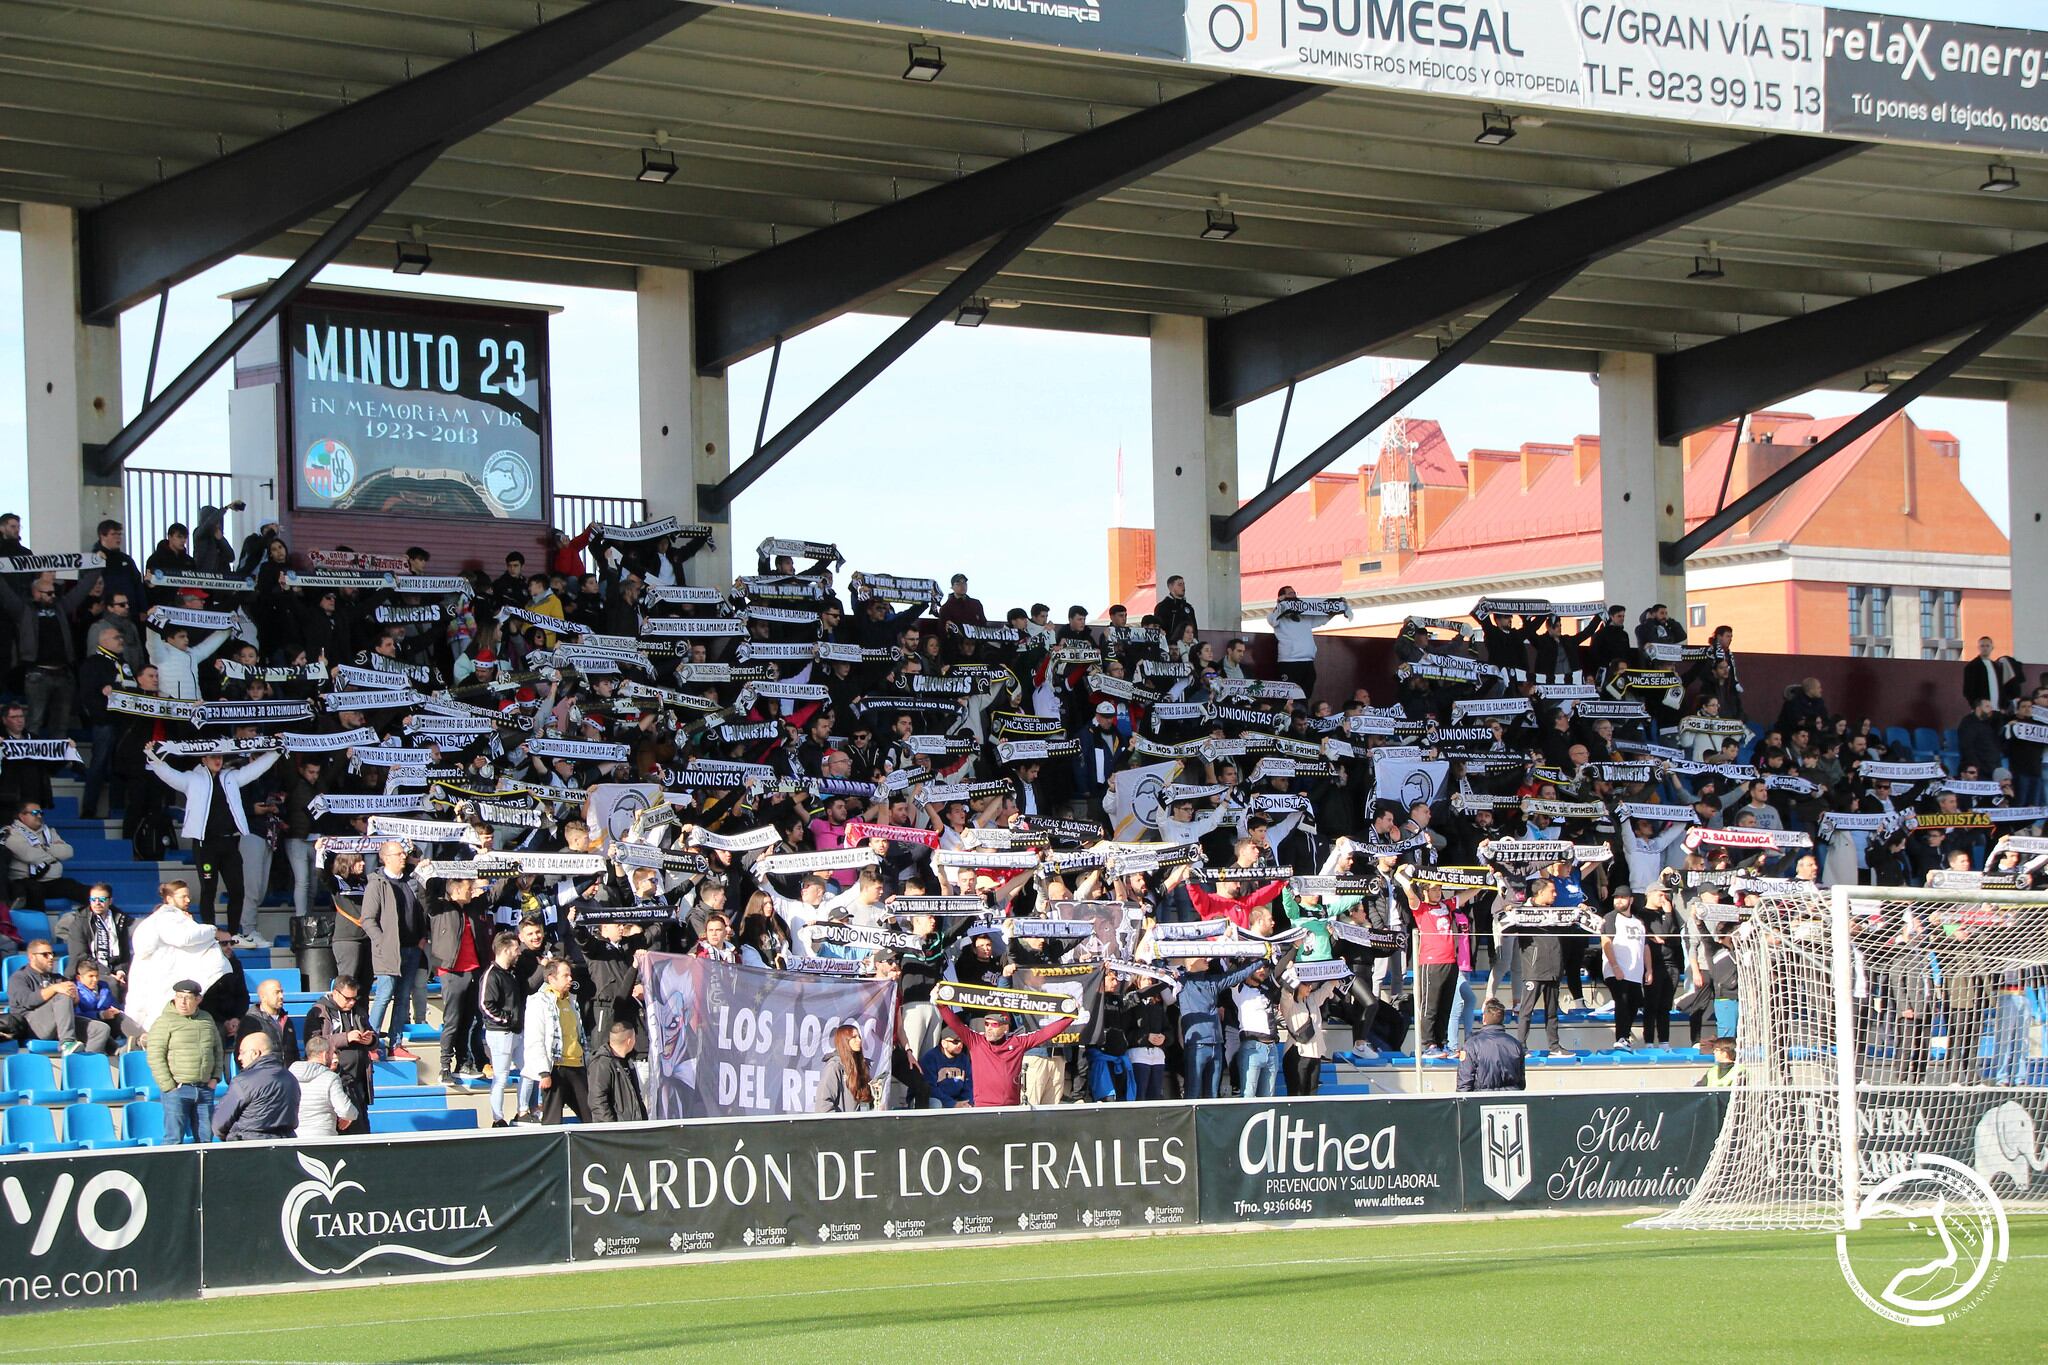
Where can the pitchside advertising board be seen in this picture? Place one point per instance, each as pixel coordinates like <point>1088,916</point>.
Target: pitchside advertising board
<point>94,1229</point>
<point>888,1179</point>
<point>90,1231</point>
<point>416,408</point>
<point>1570,1151</point>
<point>282,1213</point>
<point>1307,1159</point>
<point>1759,64</point>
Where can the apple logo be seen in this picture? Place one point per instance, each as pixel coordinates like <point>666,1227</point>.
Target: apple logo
<point>326,1185</point>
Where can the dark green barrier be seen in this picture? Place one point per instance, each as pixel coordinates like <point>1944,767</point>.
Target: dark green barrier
<point>89,1231</point>
<point>279,1214</point>
<point>764,1184</point>
<point>120,1227</point>
<point>1285,1160</point>
<point>1575,1151</point>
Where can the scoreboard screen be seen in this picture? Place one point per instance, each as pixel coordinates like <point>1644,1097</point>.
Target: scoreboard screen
<point>401,412</point>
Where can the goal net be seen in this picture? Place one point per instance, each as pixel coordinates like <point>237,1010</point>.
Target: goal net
<point>1938,996</point>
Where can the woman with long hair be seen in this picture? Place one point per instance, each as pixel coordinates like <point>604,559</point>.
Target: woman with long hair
<point>844,1086</point>
<point>171,946</point>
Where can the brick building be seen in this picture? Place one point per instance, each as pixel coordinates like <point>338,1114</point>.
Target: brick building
<point>1881,552</point>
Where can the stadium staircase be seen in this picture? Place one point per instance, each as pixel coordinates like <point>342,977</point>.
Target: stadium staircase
<point>52,1102</point>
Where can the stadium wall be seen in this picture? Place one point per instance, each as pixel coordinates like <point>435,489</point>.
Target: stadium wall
<point>97,1229</point>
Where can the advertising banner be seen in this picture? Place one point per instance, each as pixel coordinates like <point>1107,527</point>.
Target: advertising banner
<point>1927,80</point>
<point>1767,65</point>
<point>1567,1151</point>
<point>89,1231</point>
<point>1134,28</point>
<point>885,1178</point>
<point>727,1041</point>
<point>1284,1160</point>
<point>405,412</point>
<point>369,1209</point>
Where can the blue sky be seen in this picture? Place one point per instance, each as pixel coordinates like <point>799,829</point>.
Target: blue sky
<point>992,450</point>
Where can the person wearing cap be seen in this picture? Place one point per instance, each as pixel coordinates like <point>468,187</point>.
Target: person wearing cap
<point>185,1059</point>
<point>1104,750</point>
<point>995,1057</point>
<point>959,607</point>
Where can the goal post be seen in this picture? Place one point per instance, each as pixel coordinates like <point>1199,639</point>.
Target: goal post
<point>1878,1025</point>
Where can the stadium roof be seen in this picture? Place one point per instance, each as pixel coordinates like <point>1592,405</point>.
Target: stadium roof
<point>783,124</point>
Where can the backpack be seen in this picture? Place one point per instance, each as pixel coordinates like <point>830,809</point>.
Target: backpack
<point>152,837</point>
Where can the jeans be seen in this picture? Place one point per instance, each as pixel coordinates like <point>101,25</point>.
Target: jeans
<point>1109,1077</point>
<point>1258,1068</point>
<point>256,857</point>
<point>504,1048</point>
<point>49,699</point>
<point>188,1115</point>
<point>458,1014</point>
<point>299,853</point>
<point>99,771</point>
<point>381,991</point>
<point>2009,1043</point>
<point>403,987</point>
<point>1205,1067</point>
<point>1148,1081</point>
<point>1463,1003</point>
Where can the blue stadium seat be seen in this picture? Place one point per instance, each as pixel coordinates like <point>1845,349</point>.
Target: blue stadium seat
<point>31,1128</point>
<point>1897,737</point>
<point>384,1120</point>
<point>1927,743</point>
<point>32,924</point>
<point>288,977</point>
<point>143,1122</point>
<point>93,1126</point>
<point>36,1077</point>
<point>92,1073</point>
<point>437,1100</point>
<point>11,964</point>
<point>135,1072</point>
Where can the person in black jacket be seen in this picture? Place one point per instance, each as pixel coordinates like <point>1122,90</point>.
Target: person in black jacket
<point>1174,611</point>
<point>1491,1058</point>
<point>263,1100</point>
<point>458,939</point>
<point>501,1005</point>
<point>615,1095</point>
<point>100,931</point>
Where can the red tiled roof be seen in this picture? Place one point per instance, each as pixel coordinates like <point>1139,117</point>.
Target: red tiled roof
<point>1428,457</point>
<point>1505,530</point>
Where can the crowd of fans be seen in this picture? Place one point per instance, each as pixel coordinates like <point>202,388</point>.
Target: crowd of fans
<point>1544,810</point>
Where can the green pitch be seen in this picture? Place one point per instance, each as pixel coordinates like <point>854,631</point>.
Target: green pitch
<point>1515,1289</point>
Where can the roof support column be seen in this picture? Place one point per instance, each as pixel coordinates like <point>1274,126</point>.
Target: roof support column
<point>1642,489</point>
<point>684,421</point>
<point>1194,474</point>
<point>73,374</point>
<point>2026,473</point>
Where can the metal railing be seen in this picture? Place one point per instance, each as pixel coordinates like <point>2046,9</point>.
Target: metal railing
<point>156,498</point>
<point>574,511</point>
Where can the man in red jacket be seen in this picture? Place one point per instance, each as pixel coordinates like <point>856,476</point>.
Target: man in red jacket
<point>996,1060</point>
<point>1236,909</point>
